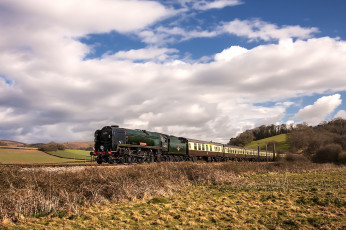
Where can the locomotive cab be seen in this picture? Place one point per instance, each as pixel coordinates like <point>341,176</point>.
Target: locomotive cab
<point>106,141</point>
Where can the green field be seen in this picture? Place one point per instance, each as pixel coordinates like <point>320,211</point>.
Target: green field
<point>281,143</point>
<point>72,154</point>
<point>28,156</point>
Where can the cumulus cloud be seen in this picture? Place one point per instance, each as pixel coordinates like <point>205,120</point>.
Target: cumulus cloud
<point>78,17</point>
<point>255,29</point>
<point>173,97</point>
<point>48,91</point>
<point>258,29</point>
<point>230,53</point>
<point>340,114</point>
<point>314,114</point>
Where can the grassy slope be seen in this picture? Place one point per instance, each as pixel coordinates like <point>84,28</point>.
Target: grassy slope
<point>72,154</point>
<point>27,156</point>
<point>308,200</point>
<point>280,139</point>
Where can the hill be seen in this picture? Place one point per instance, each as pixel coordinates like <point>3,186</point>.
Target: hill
<point>281,144</point>
<point>11,143</point>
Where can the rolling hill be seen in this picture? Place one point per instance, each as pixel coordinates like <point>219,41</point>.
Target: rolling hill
<point>280,141</point>
<point>11,143</point>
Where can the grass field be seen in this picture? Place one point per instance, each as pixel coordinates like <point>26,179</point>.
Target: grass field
<point>232,195</point>
<point>72,154</point>
<point>277,200</point>
<point>28,156</point>
<point>281,145</point>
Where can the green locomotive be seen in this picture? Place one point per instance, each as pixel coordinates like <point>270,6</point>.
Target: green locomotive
<point>120,145</point>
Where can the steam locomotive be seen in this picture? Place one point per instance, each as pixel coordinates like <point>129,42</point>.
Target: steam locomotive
<point>121,145</point>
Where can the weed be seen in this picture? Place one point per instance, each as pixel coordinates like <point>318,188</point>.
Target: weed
<point>158,200</point>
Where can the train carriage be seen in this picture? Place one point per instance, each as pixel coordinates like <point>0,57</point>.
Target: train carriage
<point>233,152</point>
<point>209,151</point>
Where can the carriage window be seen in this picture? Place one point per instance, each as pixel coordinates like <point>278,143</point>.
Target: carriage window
<point>195,145</point>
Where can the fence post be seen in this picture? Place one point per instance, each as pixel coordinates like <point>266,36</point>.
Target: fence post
<point>258,152</point>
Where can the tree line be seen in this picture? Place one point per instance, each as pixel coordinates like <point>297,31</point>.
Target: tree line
<point>325,142</point>
<point>259,133</point>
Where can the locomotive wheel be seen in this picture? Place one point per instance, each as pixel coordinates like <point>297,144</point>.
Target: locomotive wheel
<point>140,160</point>
<point>99,162</point>
<point>128,159</point>
<point>158,159</point>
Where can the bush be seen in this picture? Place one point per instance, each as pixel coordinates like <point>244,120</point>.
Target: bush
<point>328,153</point>
<point>52,146</point>
<point>342,158</point>
<point>295,157</point>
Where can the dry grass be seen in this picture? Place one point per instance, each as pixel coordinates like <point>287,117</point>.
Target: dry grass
<point>65,194</point>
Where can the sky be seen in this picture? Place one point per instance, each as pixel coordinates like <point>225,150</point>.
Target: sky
<point>199,69</point>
